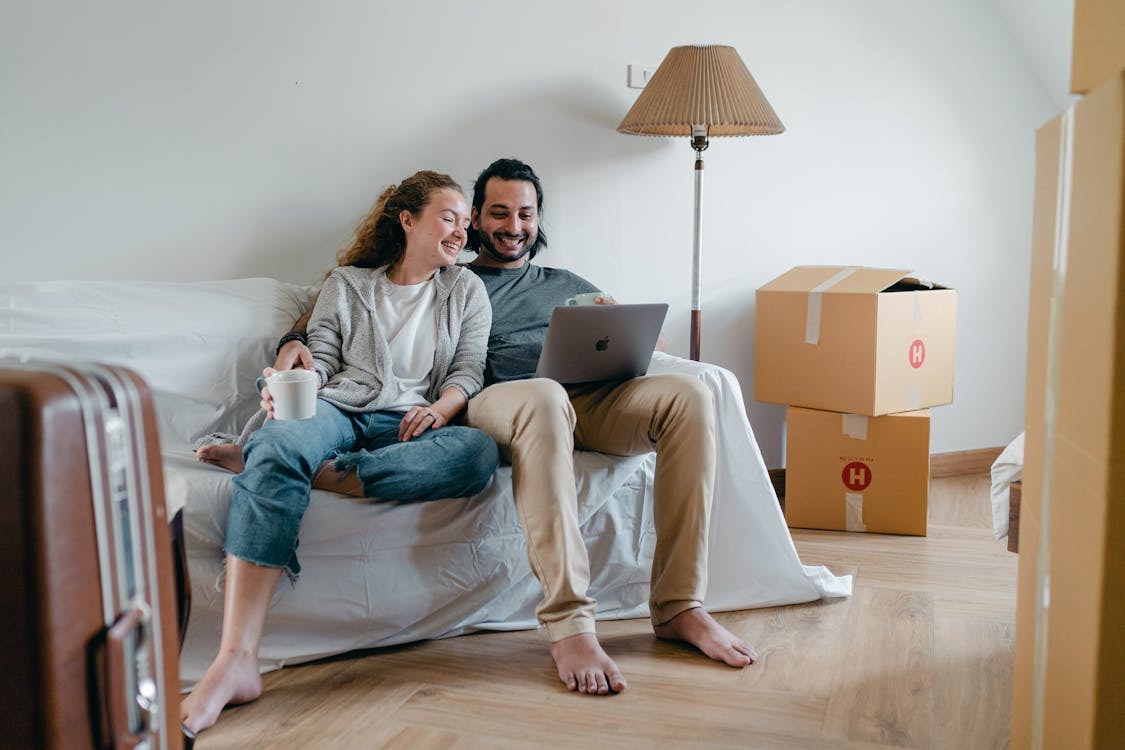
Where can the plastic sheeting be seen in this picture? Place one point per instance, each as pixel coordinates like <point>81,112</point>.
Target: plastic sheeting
<point>752,562</point>
<point>199,345</point>
<point>383,574</point>
<point>1007,468</point>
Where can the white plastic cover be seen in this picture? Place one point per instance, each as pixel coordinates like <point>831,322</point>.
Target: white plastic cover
<point>1007,468</point>
<point>198,345</point>
<point>382,574</point>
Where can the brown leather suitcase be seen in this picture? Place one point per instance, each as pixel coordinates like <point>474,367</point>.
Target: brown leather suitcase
<point>88,646</point>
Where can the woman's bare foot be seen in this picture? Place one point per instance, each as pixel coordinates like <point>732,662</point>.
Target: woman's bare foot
<point>697,627</point>
<point>585,667</point>
<point>228,456</point>
<point>231,679</point>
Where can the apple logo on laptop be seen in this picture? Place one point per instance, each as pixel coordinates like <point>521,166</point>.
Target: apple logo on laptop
<point>602,344</point>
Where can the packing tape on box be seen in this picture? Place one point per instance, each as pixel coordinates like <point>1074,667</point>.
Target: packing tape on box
<point>855,426</point>
<point>1060,255</point>
<point>913,397</point>
<point>853,512</point>
<point>812,314</point>
<point>917,305</point>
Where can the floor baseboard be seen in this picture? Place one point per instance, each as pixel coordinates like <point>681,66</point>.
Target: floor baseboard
<point>963,463</point>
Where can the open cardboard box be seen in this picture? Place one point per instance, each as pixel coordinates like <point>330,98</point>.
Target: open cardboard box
<point>868,341</point>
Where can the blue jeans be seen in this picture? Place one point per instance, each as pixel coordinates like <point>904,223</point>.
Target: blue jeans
<point>272,492</point>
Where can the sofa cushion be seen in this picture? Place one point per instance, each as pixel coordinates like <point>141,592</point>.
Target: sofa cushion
<point>200,345</point>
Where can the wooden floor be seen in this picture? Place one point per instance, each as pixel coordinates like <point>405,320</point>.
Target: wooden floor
<point>919,657</point>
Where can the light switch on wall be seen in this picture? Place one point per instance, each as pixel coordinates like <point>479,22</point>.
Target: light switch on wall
<point>638,75</point>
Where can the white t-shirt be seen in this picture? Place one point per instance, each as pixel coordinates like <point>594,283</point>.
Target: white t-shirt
<point>407,317</point>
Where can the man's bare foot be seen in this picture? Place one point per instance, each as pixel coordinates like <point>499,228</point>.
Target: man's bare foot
<point>231,679</point>
<point>585,667</point>
<point>697,627</point>
<point>227,456</point>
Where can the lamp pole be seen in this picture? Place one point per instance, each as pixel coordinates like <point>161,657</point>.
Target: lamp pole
<point>699,143</point>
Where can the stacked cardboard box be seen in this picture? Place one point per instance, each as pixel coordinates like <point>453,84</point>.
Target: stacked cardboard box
<point>858,355</point>
<point>1069,670</point>
<point>1099,43</point>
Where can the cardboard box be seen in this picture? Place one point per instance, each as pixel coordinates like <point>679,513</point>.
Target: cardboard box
<point>1023,653</point>
<point>1074,462</point>
<point>1047,142</point>
<point>857,473</point>
<point>866,341</point>
<point>1099,43</point>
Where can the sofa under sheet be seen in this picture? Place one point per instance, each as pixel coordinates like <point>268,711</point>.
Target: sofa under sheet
<point>380,574</point>
<point>383,574</point>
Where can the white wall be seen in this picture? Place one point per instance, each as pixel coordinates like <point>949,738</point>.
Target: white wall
<point>220,139</point>
<point>1044,32</point>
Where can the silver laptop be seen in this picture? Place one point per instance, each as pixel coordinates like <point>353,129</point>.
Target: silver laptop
<point>591,343</point>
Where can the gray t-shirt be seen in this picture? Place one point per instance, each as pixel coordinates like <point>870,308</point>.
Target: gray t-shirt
<point>522,302</point>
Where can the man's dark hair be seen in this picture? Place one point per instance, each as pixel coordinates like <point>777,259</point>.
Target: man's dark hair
<point>507,169</point>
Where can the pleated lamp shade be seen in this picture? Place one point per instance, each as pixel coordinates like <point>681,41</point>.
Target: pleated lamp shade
<point>702,85</point>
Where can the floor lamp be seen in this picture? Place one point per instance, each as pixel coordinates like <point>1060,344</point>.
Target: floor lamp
<point>700,91</point>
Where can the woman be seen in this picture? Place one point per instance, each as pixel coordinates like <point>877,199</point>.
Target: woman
<point>398,337</point>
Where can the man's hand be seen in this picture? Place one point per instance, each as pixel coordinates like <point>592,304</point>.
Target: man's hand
<point>418,420</point>
<point>661,342</point>
<point>292,356</point>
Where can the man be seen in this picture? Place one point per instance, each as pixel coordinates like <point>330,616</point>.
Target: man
<point>538,423</point>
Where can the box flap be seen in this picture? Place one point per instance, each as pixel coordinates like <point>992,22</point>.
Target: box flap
<point>838,279</point>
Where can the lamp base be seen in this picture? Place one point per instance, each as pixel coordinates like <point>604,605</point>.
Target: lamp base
<point>696,325</point>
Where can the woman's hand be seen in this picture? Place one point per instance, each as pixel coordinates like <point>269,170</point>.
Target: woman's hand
<point>418,420</point>
<point>293,356</point>
<point>266,401</point>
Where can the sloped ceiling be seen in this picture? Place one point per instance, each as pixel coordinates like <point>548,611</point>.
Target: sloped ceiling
<point>1043,29</point>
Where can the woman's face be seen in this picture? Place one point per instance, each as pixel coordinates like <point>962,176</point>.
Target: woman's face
<point>436,235</point>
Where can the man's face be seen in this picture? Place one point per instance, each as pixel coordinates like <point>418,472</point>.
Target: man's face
<point>508,222</point>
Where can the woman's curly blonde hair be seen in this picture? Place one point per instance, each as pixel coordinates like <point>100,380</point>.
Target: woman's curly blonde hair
<point>379,238</point>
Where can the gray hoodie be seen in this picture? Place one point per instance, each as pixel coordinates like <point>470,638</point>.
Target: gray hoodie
<point>351,353</point>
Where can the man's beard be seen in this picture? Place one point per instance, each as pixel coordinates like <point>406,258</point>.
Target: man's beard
<point>487,246</point>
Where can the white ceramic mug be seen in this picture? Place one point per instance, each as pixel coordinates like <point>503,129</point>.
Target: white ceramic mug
<point>294,394</point>
<point>586,298</point>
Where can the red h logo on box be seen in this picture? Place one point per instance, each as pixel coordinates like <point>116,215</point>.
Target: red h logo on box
<point>856,476</point>
<point>917,354</point>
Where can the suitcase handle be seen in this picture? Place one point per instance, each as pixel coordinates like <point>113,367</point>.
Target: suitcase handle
<point>132,692</point>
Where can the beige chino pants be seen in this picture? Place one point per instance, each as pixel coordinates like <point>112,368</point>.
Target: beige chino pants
<point>538,424</point>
